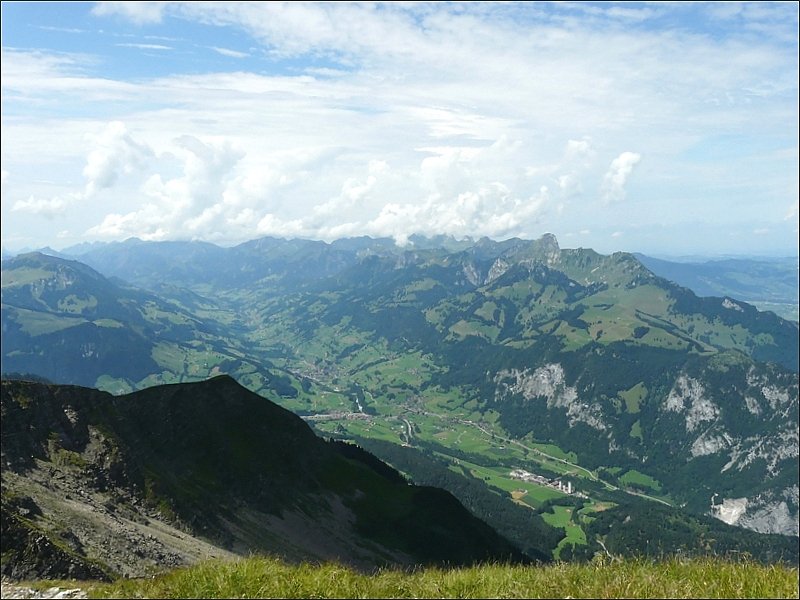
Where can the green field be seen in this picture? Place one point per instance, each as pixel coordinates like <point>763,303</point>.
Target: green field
<point>41,323</point>
<point>561,516</point>
<point>389,380</point>
<point>640,479</point>
<point>24,276</point>
<point>633,397</point>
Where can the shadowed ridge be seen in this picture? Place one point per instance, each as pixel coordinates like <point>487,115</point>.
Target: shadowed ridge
<point>220,470</point>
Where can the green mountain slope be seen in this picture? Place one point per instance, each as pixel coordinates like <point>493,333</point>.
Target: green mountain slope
<point>66,322</point>
<point>592,353</point>
<point>770,284</point>
<point>159,477</point>
<point>526,352</point>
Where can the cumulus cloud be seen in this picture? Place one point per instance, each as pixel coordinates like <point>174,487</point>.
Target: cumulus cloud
<point>449,195</point>
<point>491,211</point>
<point>46,207</point>
<point>143,224</point>
<point>222,194</point>
<point>617,176</point>
<point>475,119</point>
<point>354,192</point>
<point>193,204</point>
<point>115,152</point>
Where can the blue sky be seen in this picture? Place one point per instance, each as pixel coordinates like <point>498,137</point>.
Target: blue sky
<point>665,128</point>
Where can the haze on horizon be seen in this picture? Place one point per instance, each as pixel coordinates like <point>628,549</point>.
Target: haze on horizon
<point>669,129</point>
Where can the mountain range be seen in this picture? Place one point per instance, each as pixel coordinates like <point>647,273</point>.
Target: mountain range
<point>769,284</point>
<point>493,357</point>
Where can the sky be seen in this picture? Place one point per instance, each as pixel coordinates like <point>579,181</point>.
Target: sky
<point>664,128</point>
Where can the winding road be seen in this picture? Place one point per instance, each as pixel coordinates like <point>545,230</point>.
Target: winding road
<point>562,460</point>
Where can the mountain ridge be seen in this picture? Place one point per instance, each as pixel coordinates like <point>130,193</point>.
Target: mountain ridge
<point>187,469</point>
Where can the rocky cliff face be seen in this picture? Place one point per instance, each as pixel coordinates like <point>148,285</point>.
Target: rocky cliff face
<point>96,486</point>
<point>548,382</point>
<point>715,427</point>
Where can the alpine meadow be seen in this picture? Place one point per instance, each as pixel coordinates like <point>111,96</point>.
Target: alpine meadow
<point>400,300</point>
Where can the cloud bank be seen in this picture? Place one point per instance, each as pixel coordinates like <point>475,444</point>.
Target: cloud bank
<point>390,119</point>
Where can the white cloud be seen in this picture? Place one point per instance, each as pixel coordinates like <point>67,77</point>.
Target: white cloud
<point>490,211</point>
<point>617,176</point>
<point>142,224</point>
<point>354,192</point>
<point>115,152</point>
<point>53,80</point>
<point>272,225</point>
<point>47,207</point>
<point>138,12</point>
<point>145,46</point>
<point>230,53</point>
<point>579,150</point>
<point>192,204</point>
<point>578,159</point>
<point>294,28</point>
<point>485,123</point>
<point>62,29</point>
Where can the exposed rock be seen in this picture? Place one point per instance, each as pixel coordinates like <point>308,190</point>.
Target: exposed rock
<point>29,552</point>
<point>764,513</point>
<point>498,268</point>
<point>472,274</point>
<point>728,303</point>
<point>776,396</point>
<point>548,382</point>
<point>11,590</point>
<point>710,444</point>
<point>752,405</point>
<point>700,408</point>
<point>772,450</point>
<point>730,511</point>
<point>774,517</point>
<point>548,246</point>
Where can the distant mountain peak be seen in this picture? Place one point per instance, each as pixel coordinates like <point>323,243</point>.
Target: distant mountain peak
<point>549,241</point>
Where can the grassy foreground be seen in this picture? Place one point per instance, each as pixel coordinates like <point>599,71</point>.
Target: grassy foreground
<point>260,577</point>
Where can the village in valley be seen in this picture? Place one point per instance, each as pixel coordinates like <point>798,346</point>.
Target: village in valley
<point>556,484</point>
